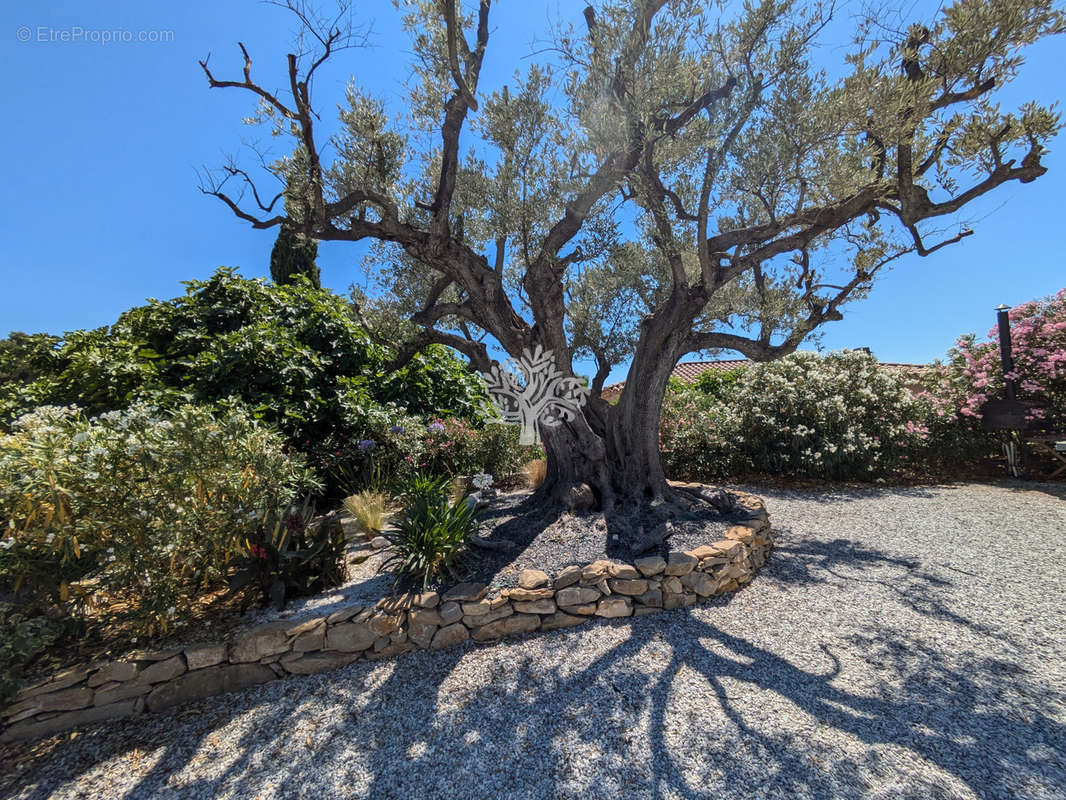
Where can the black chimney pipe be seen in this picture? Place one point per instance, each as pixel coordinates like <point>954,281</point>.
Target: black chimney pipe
<point>1003,318</point>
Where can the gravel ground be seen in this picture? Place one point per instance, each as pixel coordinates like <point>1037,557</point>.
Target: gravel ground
<point>900,643</point>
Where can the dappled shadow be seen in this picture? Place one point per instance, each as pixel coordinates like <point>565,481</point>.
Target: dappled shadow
<point>1050,488</point>
<point>844,493</point>
<point>663,706</point>
<point>676,708</point>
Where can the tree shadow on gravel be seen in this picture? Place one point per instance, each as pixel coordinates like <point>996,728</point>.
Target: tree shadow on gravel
<point>666,706</point>
<point>676,708</point>
<point>802,561</point>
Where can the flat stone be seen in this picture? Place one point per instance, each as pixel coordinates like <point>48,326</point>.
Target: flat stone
<point>450,612</point>
<point>627,586</point>
<point>450,636</point>
<point>704,551</point>
<point>424,616</point>
<point>614,606</point>
<point>476,621</point>
<point>568,577</point>
<point>115,671</point>
<point>162,670</point>
<point>36,729</point>
<point>208,682</point>
<point>69,699</point>
<point>201,656</point>
<point>421,630</point>
<point>640,611</point>
<point>740,533</point>
<point>509,626</point>
<point>595,572</point>
<point>560,619</point>
<point>124,691</point>
<point>379,542</point>
<point>466,593</point>
<point>532,579</point>
<point>306,626</point>
<point>700,582</point>
<point>576,596</point>
<point>679,563</point>
<point>624,571</point>
<point>350,637</point>
<point>384,623</point>
<point>153,655</point>
<point>483,606</point>
<point>343,614</point>
<point>587,609</point>
<point>266,640</point>
<point>60,680</point>
<point>545,606</point>
<point>650,565</point>
<point>673,585</point>
<point>381,643</point>
<point>427,600</point>
<point>728,546</point>
<point>525,595</point>
<point>309,641</point>
<point>396,603</point>
<point>673,600</point>
<point>652,597</point>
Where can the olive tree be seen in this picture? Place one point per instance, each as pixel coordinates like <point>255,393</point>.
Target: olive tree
<point>664,177</point>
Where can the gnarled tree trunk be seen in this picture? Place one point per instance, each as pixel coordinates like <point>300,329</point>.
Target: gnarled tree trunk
<point>608,458</point>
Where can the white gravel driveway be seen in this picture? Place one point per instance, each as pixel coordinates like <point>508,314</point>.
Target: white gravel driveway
<point>904,643</point>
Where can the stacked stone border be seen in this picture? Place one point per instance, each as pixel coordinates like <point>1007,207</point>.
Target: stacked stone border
<point>153,681</point>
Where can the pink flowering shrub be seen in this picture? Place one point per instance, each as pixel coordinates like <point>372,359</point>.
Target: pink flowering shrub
<point>1038,337</point>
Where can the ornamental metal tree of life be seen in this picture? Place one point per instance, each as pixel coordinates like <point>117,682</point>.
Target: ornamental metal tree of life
<point>533,389</point>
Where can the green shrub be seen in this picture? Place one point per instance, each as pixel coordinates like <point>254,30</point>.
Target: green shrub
<point>719,383</point>
<point>295,355</point>
<point>429,539</point>
<point>134,514</point>
<point>22,637</point>
<point>292,554</point>
<point>398,446</point>
<point>839,416</point>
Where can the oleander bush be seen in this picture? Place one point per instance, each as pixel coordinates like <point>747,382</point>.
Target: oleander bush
<point>839,416</point>
<point>133,515</point>
<point>1038,346</point>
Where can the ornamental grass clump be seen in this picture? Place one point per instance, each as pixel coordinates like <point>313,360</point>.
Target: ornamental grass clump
<point>430,537</point>
<point>132,517</point>
<point>368,508</point>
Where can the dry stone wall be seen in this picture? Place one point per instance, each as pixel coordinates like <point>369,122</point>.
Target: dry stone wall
<point>153,681</point>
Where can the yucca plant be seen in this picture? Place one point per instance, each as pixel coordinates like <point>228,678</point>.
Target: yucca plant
<point>430,487</point>
<point>429,539</point>
<point>368,508</point>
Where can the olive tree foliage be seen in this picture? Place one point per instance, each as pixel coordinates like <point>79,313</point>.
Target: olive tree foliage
<point>665,177</point>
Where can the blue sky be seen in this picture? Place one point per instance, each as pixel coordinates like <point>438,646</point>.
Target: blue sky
<point>101,208</point>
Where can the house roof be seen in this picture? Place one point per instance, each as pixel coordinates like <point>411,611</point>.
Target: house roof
<point>689,371</point>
